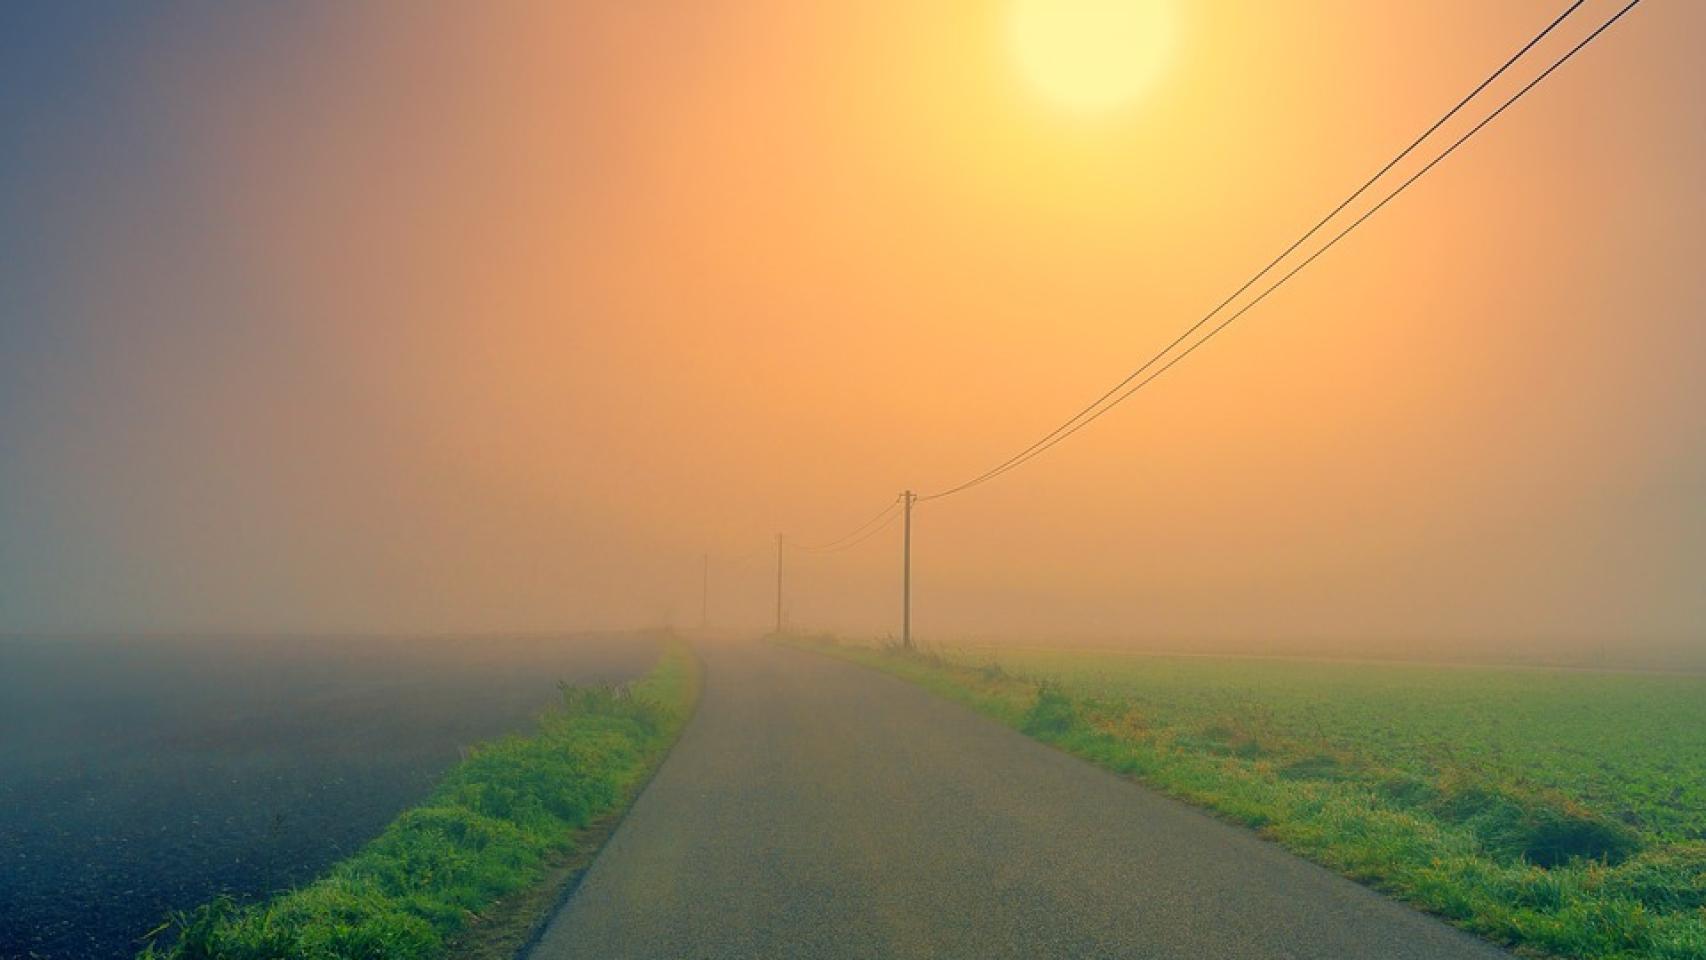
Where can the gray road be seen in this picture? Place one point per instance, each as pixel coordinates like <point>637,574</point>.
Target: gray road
<point>815,809</point>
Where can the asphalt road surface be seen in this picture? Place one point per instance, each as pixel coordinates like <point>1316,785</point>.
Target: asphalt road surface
<point>817,809</point>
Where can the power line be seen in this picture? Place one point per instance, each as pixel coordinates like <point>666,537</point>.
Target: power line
<point>840,543</point>
<point>892,516</point>
<point>1131,383</point>
<point>860,534</point>
<point>1091,412</point>
<point>1328,246</point>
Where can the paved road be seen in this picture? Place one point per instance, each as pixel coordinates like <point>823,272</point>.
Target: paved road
<point>816,809</point>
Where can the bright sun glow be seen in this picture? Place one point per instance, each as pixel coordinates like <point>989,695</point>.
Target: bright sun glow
<point>1091,55</point>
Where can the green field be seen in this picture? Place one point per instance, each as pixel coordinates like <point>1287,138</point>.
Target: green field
<point>1562,812</point>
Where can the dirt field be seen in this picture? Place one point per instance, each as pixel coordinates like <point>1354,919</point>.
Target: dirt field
<point>142,776</point>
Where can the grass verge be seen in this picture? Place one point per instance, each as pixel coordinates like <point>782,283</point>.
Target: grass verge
<point>488,851</point>
<point>1511,860</point>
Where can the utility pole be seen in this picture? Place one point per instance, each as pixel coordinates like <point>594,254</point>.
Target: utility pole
<point>778,583</point>
<point>906,571</point>
<point>705,595</point>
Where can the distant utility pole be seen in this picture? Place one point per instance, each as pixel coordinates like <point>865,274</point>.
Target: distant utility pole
<point>705,594</point>
<point>778,583</point>
<point>906,571</point>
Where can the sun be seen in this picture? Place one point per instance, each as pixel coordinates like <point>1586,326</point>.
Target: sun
<point>1091,56</point>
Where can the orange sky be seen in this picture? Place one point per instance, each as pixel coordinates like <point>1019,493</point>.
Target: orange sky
<point>499,316</point>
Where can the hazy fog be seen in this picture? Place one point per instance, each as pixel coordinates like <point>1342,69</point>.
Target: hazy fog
<point>500,316</point>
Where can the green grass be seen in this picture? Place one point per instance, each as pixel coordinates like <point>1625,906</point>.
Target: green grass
<point>1562,813</point>
<point>492,827</point>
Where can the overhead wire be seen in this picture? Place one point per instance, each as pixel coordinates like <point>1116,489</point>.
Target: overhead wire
<point>879,528</point>
<point>840,542</point>
<point>1101,404</point>
<point>1331,243</point>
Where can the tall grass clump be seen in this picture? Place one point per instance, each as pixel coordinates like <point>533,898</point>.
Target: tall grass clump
<point>486,831</point>
<point>1561,838</point>
<point>1052,715</point>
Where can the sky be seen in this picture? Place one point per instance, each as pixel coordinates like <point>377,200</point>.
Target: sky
<point>519,316</point>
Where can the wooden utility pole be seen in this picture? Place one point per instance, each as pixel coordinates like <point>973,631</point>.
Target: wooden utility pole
<point>778,583</point>
<point>906,571</point>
